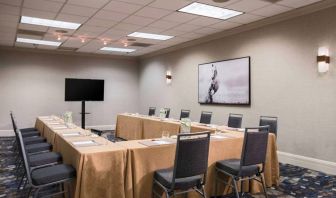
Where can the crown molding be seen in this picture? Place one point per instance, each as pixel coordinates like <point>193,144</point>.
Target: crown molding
<point>255,25</point>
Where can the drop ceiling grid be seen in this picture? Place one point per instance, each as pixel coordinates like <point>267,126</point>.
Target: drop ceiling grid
<point>184,27</point>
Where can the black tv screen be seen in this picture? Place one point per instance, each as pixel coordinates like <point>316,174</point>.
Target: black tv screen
<point>84,90</point>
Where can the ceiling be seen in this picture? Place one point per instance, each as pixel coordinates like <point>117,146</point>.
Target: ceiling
<point>112,20</point>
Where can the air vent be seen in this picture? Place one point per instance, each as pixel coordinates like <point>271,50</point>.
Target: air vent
<point>137,44</point>
<point>69,49</point>
<point>30,32</point>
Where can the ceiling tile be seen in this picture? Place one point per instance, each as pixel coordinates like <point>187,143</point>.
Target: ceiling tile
<point>170,5</point>
<point>173,32</point>
<point>24,45</point>
<point>9,18</point>
<point>72,18</point>
<point>86,34</point>
<point>53,30</point>
<point>78,10</point>
<point>11,2</point>
<point>271,10</point>
<point>115,33</point>
<point>127,27</point>
<point>164,25</point>
<point>246,18</point>
<point>91,28</point>
<point>150,12</point>
<point>204,21</point>
<point>38,13</point>
<point>297,3</point>
<point>140,2</point>
<point>152,30</point>
<point>191,35</point>
<point>138,20</point>
<point>108,15</point>
<point>247,6</point>
<point>206,30</point>
<point>8,9</point>
<point>47,47</point>
<point>7,24</point>
<point>33,27</point>
<point>186,27</point>
<point>73,42</point>
<point>122,7</point>
<point>101,22</point>
<point>223,4</point>
<point>6,42</point>
<point>179,17</point>
<point>43,5</point>
<point>89,3</point>
<point>225,25</point>
<point>29,36</point>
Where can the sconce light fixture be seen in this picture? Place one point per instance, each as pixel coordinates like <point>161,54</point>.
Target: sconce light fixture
<point>323,60</point>
<point>168,77</point>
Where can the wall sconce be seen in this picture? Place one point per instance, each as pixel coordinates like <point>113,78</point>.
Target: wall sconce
<point>168,77</point>
<point>323,60</point>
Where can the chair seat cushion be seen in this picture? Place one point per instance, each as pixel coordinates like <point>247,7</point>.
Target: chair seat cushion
<point>39,147</point>
<point>44,158</point>
<point>33,140</point>
<point>232,167</point>
<point>30,134</point>
<point>165,177</point>
<point>52,174</point>
<point>25,130</point>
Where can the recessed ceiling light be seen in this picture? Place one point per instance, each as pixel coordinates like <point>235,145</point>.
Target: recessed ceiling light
<point>115,49</point>
<point>49,23</point>
<point>150,36</point>
<point>209,11</point>
<point>39,42</point>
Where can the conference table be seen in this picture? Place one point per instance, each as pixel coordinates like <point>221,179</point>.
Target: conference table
<point>126,168</point>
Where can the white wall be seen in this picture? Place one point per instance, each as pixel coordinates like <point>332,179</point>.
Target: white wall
<point>32,84</point>
<point>284,81</point>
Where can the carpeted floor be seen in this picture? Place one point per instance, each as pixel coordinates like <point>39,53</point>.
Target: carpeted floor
<point>295,181</point>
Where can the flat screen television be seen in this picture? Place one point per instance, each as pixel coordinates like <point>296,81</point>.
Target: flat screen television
<point>84,89</point>
<point>225,82</point>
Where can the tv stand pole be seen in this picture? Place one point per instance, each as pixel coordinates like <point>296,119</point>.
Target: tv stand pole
<point>83,114</point>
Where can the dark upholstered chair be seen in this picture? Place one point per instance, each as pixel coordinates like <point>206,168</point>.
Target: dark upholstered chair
<point>167,112</point>
<point>270,121</point>
<point>184,114</point>
<point>151,111</point>
<point>190,167</point>
<point>251,165</point>
<point>206,117</point>
<point>235,120</point>
<point>47,176</point>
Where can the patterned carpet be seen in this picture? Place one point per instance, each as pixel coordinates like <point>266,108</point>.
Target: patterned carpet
<point>295,181</point>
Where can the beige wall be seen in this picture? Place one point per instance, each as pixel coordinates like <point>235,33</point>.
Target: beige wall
<point>284,81</point>
<point>32,84</point>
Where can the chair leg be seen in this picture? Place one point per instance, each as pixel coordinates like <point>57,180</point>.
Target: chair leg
<point>204,193</point>
<point>235,187</point>
<point>36,193</point>
<point>216,183</point>
<point>29,191</point>
<point>263,184</point>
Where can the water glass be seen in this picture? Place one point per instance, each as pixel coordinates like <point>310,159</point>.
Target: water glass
<point>165,134</point>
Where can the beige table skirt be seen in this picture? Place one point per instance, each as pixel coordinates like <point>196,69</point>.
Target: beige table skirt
<point>142,161</point>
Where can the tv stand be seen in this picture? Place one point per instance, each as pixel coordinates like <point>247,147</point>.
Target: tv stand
<point>83,114</point>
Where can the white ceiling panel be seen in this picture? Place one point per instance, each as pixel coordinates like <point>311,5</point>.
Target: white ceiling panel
<point>164,25</point>
<point>138,20</point>
<point>38,13</point>
<point>203,21</point>
<point>8,9</point>
<point>150,12</point>
<point>29,36</point>
<point>127,27</point>
<point>140,2</point>
<point>171,4</point>
<point>297,3</point>
<point>33,27</point>
<point>225,25</point>
<point>89,3</point>
<point>50,6</point>
<point>223,4</point>
<point>11,2</point>
<point>271,10</point>
<point>246,18</point>
<point>186,27</point>
<point>101,22</point>
<point>179,17</point>
<point>24,45</point>
<point>247,6</point>
<point>47,47</point>
<point>71,18</point>
<point>108,15</point>
<point>122,7</point>
<point>78,10</point>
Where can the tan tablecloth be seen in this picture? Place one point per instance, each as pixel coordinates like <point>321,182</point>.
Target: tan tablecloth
<point>100,169</point>
<point>142,161</point>
<point>136,127</point>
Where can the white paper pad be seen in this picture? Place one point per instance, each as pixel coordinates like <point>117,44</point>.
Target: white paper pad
<point>59,127</point>
<point>53,123</point>
<point>219,136</point>
<point>85,143</point>
<point>71,134</point>
<point>157,142</point>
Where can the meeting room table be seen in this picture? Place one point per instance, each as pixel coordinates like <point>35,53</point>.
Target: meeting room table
<point>126,168</point>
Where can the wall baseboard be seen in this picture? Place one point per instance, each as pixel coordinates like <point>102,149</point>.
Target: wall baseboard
<point>308,162</point>
<point>6,133</point>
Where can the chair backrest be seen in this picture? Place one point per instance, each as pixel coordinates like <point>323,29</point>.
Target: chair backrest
<point>167,112</point>
<point>151,111</point>
<point>206,117</point>
<point>191,158</point>
<point>255,146</point>
<point>184,114</point>
<point>13,121</point>
<point>235,120</point>
<point>24,155</point>
<point>271,121</point>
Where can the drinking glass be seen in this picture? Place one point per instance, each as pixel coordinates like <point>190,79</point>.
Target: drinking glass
<point>165,134</point>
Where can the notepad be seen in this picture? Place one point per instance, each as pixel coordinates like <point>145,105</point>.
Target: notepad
<point>59,127</point>
<point>85,143</point>
<point>218,136</point>
<point>71,134</point>
<point>53,123</point>
<point>157,142</point>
